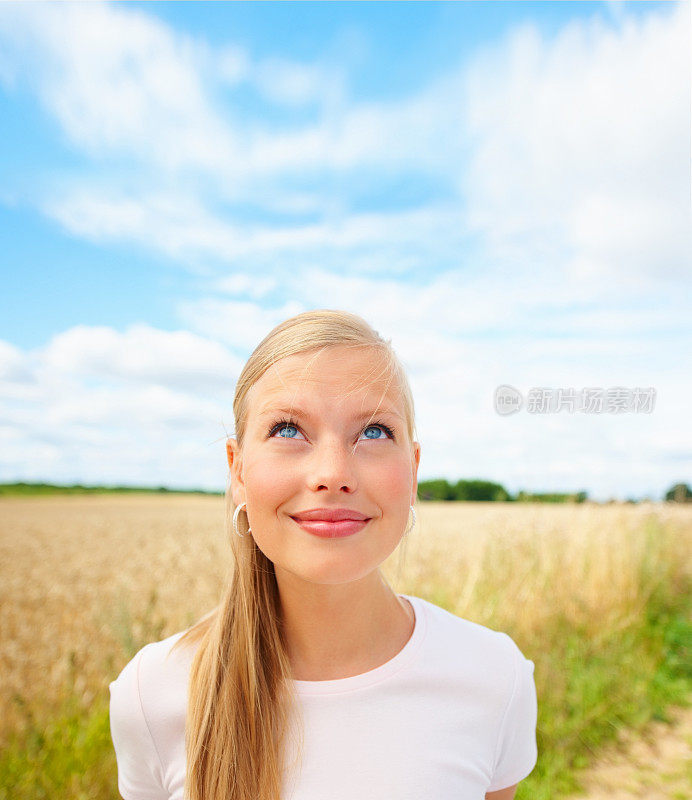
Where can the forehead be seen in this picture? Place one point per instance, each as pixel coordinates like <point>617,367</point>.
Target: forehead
<point>337,373</point>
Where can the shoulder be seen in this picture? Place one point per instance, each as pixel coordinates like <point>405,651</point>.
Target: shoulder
<point>150,692</point>
<point>153,661</point>
<point>464,635</point>
<point>485,659</point>
<point>148,704</point>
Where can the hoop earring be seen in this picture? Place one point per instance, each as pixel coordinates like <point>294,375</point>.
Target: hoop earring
<point>413,524</point>
<point>235,520</point>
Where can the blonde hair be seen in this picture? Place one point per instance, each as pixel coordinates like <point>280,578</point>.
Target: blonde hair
<point>240,694</point>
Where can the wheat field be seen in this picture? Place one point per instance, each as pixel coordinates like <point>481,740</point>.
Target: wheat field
<point>87,580</point>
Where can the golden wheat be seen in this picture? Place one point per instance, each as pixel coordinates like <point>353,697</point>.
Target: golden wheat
<point>86,579</point>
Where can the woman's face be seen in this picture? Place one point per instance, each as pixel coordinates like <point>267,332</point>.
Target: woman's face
<point>329,456</point>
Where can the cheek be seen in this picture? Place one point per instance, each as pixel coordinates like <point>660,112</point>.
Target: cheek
<point>390,483</point>
<point>268,483</point>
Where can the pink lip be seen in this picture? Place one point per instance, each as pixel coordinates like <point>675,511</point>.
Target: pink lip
<point>329,514</point>
<point>331,523</point>
<point>332,530</point>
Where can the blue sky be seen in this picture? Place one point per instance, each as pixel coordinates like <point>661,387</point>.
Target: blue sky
<point>503,189</point>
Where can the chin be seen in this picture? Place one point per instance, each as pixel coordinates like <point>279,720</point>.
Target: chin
<point>332,572</point>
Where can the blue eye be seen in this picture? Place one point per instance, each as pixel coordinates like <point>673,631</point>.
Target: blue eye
<point>378,428</point>
<point>286,431</point>
<point>285,428</point>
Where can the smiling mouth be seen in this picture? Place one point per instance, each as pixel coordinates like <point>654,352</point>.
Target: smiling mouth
<point>332,530</point>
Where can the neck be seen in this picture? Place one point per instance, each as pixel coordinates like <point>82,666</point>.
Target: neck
<point>337,630</point>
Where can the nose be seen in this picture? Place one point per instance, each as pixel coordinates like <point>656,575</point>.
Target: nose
<point>332,467</point>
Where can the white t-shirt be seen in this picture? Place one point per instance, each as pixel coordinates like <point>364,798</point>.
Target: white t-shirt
<point>451,716</point>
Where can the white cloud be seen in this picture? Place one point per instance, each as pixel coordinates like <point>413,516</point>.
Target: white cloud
<point>294,84</point>
<point>240,283</point>
<point>585,138</point>
<point>231,63</point>
<point>13,369</point>
<point>119,81</point>
<point>143,407</point>
<point>177,359</point>
<point>169,222</point>
<point>180,226</point>
<point>571,151</point>
<point>240,324</point>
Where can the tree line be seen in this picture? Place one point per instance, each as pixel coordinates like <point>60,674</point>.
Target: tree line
<point>479,490</point>
<point>436,489</point>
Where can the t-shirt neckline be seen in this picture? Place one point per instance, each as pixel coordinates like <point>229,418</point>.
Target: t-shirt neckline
<point>384,671</point>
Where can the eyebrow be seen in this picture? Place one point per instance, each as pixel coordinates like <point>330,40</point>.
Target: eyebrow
<point>298,412</point>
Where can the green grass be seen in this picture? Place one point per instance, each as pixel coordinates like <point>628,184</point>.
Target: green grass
<point>69,757</point>
<point>588,691</point>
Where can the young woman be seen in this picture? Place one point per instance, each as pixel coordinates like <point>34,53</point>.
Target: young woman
<point>313,679</point>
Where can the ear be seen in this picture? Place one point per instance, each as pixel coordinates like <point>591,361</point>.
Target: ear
<point>236,471</point>
<point>415,461</point>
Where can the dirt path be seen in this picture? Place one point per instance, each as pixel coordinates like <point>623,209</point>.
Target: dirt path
<point>655,764</point>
